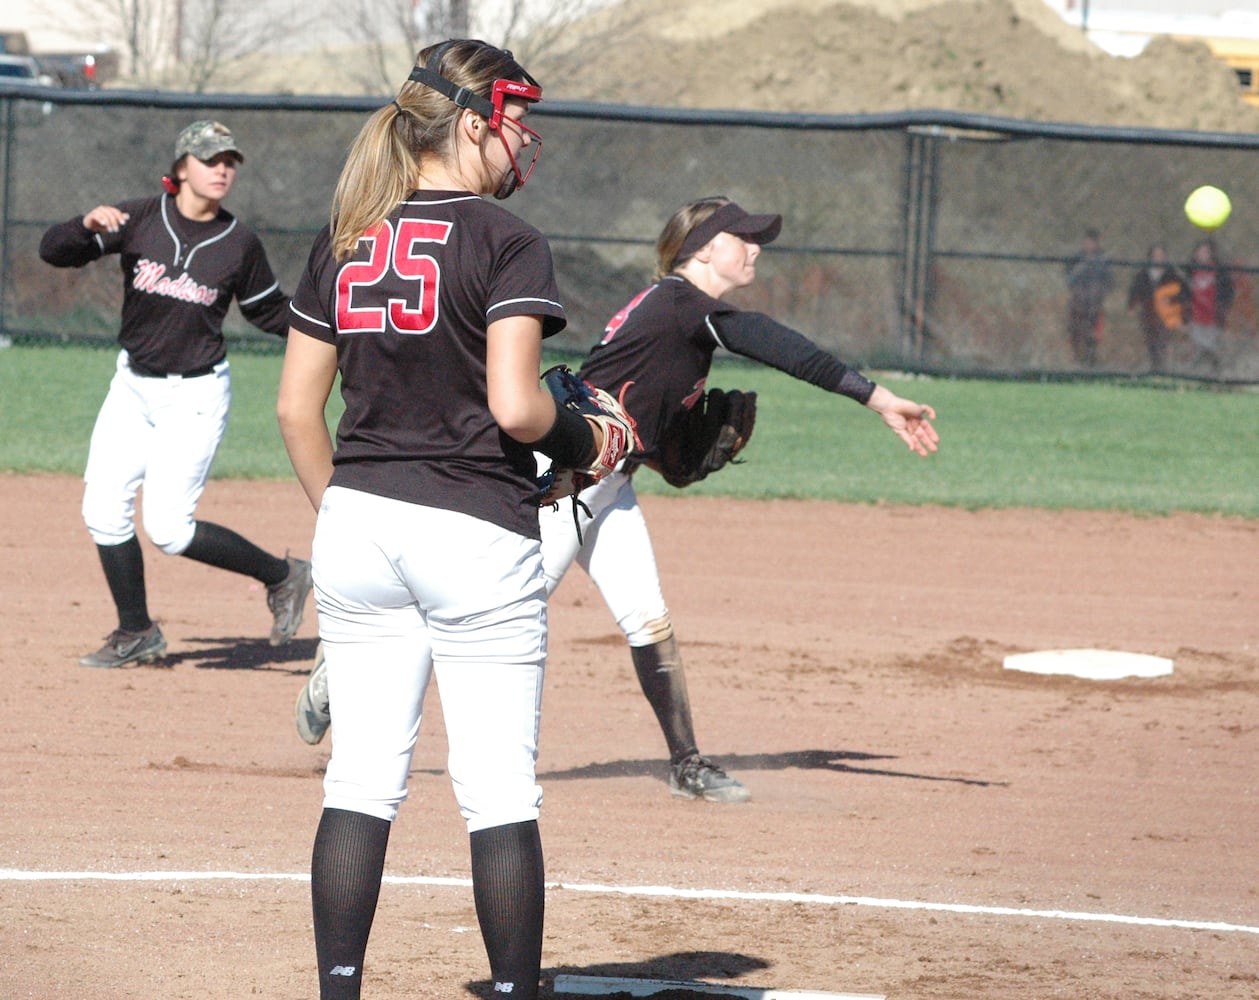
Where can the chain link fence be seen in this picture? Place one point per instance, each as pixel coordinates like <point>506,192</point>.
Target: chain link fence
<point>928,242</point>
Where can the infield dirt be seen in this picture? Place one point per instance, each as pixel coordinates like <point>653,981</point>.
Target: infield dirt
<point>999,835</point>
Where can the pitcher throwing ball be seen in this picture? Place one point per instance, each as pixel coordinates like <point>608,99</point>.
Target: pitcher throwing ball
<point>183,259</point>
<point>655,356</point>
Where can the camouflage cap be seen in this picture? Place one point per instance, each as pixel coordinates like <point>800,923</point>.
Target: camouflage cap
<point>206,140</point>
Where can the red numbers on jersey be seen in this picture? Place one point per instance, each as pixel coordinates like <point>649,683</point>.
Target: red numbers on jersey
<point>396,287</point>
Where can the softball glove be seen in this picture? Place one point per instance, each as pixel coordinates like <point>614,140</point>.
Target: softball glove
<point>598,407</point>
<point>706,437</point>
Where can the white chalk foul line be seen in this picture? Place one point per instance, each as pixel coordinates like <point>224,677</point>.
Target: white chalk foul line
<point>909,904</point>
<point>17,875</point>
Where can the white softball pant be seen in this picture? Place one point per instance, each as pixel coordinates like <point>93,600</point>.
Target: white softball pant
<point>402,590</point>
<point>615,549</point>
<point>164,433</point>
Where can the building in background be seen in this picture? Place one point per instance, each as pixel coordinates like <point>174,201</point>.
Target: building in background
<point>1229,28</point>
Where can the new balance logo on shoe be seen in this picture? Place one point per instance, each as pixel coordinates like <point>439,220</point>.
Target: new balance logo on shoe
<point>504,987</point>
<point>342,970</point>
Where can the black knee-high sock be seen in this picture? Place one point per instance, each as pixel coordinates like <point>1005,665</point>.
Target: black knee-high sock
<point>659,669</point>
<point>345,872</point>
<point>218,546</point>
<point>509,887</point>
<point>124,572</point>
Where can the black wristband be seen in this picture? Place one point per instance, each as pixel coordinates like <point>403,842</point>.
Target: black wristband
<point>570,443</point>
<point>856,386</point>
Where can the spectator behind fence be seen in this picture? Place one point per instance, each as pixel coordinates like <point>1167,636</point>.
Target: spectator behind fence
<point>1089,278</point>
<point>1159,295</point>
<point>1211,290</point>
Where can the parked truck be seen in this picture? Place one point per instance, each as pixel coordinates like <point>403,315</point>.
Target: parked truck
<point>83,70</point>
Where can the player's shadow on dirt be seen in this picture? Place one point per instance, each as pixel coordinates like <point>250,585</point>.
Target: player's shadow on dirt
<point>681,966</point>
<point>241,653</point>
<point>846,761</point>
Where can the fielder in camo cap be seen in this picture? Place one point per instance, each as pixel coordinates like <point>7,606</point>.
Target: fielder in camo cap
<point>205,140</point>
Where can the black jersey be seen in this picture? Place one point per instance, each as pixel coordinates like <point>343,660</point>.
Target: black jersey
<point>179,277</point>
<point>661,342</point>
<point>408,313</point>
<point>661,347</point>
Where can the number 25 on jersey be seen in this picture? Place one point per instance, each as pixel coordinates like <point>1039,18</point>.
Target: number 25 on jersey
<point>399,273</point>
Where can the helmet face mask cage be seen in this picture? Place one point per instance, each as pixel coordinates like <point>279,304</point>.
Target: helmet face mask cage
<point>492,111</point>
<point>533,152</point>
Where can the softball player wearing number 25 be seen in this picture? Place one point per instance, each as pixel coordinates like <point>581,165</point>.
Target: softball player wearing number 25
<point>431,302</point>
<point>183,259</point>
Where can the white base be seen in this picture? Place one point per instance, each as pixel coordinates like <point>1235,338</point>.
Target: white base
<point>1091,664</point>
<point>606,985</point>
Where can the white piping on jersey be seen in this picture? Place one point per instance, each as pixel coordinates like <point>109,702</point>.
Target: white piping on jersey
<point>512,302</point>
<point>260,295</point>
<point>708,322</point>
<point>328,326</point>
<point>175,236</point>
<point>309,318</point>
<point>444,201</point>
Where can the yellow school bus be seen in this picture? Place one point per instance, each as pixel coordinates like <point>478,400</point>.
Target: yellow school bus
<point>1242,56</point>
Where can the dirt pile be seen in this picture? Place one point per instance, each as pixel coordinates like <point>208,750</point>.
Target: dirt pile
<point>1012,58</point>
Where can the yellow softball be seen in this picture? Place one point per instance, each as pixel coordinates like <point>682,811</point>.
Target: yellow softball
<point>1208,207</point>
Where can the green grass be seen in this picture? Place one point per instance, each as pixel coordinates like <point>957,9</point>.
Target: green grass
<point>1006,444</point>
<point>1109,446</point>
<point>52,394</point>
